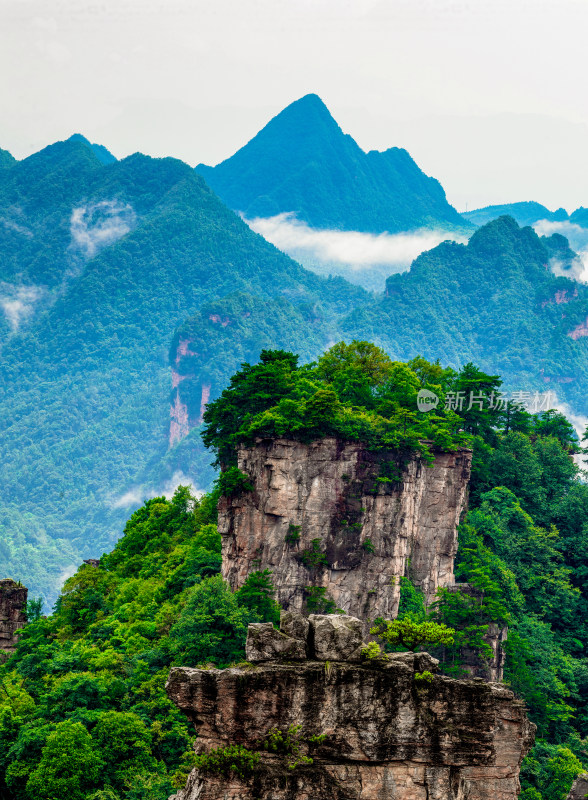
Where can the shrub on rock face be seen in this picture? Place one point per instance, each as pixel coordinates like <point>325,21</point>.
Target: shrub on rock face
<point>412,635</point>
<point>371,651</point>
<point>234,759</point>
<point>233,483</point>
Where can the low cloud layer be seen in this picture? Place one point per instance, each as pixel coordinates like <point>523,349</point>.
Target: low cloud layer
<point>138,494</point>
<point>97,225</point>
<point>363,258</point>
<point>18,303</point>
<point>578,239</point>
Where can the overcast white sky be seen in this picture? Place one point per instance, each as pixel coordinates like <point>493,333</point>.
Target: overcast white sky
<point>487,96</point>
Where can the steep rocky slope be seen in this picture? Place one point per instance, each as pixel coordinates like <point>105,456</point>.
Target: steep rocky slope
<point>387,731</point>
<point>321,515</point>
<point>13,603</point>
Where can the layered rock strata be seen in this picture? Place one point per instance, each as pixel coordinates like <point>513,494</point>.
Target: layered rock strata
<point>13,604</point>
<point>393,728</point>
<point>332,514</point>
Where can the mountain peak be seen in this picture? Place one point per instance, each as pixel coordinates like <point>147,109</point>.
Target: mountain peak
<point>310,100</point>
<point>301,162</point>
<point>6,159</point>
<point>102,154</point>
<point>304,118</point>
<point>308,104</point>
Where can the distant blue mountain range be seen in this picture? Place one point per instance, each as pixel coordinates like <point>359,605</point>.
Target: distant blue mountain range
<point>302,162</point>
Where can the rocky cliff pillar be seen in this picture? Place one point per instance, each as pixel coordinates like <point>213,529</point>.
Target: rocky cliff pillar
<point>13,604</point>
<point>333,517</point>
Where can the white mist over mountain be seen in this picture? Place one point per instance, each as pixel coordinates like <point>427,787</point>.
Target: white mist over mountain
<point>578,239</point>
<point>363,258</point>
<point>97,225</point>
<point>18,302</point>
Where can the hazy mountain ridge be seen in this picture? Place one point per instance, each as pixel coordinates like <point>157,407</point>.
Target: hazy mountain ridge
<point>494,301</point>
<point>526,213</point>
<point>85,381</point>
<point>84,390</point>
<point>302,162</point>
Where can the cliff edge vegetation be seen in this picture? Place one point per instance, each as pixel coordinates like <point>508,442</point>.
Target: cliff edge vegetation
<point>354,392</point>
<point>83,711</point>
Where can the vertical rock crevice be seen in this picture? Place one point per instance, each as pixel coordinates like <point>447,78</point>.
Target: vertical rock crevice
<point>335,515</point>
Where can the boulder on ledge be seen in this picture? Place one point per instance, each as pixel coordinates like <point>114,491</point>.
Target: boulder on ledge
<point>335,637</point>
<point>265,643</point>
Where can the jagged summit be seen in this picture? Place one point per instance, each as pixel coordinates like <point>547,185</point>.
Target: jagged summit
<point>75,156</point>
<point>302,162</point>
<point>104,156</point>
<point>308,111</point>
<point>6,159</point>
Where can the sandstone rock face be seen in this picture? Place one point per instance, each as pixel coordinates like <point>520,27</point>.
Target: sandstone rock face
<point>13,603</point>
<point>324,637</point>
<point>388,733</point>
<point>579,788</point>
<point>295,625</point>
<point>265,643</point>
<point>365,525</point>
<point>335,637</point>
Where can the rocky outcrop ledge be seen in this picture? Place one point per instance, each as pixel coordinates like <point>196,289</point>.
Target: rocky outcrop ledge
<point>393,728</point>
<point>579,789</point>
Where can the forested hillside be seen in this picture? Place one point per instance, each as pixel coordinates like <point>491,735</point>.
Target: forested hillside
<point>100,263</point>
<point>83,713</point>
<point>495,301</point>
<point>302,162</point>
<point>121,281</point>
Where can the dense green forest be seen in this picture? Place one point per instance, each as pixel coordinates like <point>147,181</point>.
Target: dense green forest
<point>107,260</point>
<point>494,301</point>
<point>354,392</point>
<point>303,163</point>
<point>83,713</point>
<point>105,264</point>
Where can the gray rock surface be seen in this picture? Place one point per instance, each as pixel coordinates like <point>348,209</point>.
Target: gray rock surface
<point>335,637</point>
<point>13,604</point>
<point>367,530</point>
<point>387,734</point>
<point>265,643</point>
<point>579,790</point>
<point>418,662</point>
<point>294,624</point>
